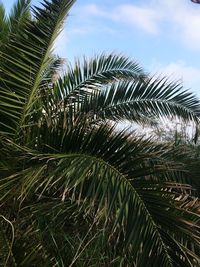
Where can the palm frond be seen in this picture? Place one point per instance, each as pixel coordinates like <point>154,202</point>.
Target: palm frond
<point>3,25</point>
<point>104,168</point>
<point>18,16</point>
<point>93,73</point>
<point>117,199</point>
<point>25,60</point>
<point>158,98</point>
<point>135,100</point>
<point>12,24</point>
<point>6,242</point>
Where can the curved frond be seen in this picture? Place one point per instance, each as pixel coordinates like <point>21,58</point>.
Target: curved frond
<point>135,100</point>
<point>94,73</point>
<point>19,15</point>
<point>115,197</point>
<point>118,177</point>
<point>127,100</point>
<point>24,63</point>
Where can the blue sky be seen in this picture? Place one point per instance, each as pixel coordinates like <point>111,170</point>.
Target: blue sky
<point>163,35</point>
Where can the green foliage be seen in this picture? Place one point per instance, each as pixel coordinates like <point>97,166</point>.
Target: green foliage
<point>186,149</point>
<point>74,189</point>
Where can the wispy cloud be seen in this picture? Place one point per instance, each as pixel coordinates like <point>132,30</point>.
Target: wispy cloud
<point>181,17</point>
<point>179,71</point>
<point>129,14</point>
<point>146,19</point>
<point>92,9</point>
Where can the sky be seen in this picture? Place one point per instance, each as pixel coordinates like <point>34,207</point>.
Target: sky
<point>162,35</point>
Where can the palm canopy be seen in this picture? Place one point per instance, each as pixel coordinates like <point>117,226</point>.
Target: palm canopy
<point>63,163</point>
<point>28,55</point>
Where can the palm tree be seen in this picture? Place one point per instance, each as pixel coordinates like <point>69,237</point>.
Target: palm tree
<point>74,189</point>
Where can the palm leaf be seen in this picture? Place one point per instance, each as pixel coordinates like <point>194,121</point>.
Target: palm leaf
<point>93,73</point>
<point>25,61</point>
<point>105,169</point>
<point>19,15</point>
<point>3,24</point>
<point>130,100</point>
<point>135,100</point>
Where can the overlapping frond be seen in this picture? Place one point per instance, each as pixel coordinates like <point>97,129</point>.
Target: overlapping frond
<point>13,23</point>
<point>25,60</point>
<point>113,195</point>
<point>92,74</point>
<point>19,15</point>
<point>135,100</point>
<point>3,24</point>
<point>119,177</point>
<point>158,98</point>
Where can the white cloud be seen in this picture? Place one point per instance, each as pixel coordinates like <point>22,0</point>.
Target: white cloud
<point>179,71</point>
<point>184,20</point>
<point>181,17</point>
<point>141,17</point>
<point>129,14</point>
<point>92,9</point>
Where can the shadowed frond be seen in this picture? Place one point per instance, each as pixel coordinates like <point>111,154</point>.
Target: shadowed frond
<point>3,25</point>
<point>74,188</point>
<point>120,178</point>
